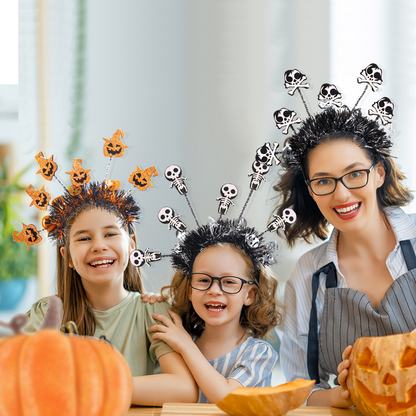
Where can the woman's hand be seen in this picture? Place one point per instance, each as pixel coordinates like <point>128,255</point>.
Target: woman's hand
<point>151,297</point>
<point>173,333</point>
<point>343,374</point>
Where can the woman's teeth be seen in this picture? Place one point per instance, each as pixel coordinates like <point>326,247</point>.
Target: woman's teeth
<point>347,210</point>
<point>214,307</point>
<point>102,263</point>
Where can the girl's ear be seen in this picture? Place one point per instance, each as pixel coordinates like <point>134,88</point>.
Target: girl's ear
<point>62,251</point>
<point>132,242</point>
<point>381,174</point>
<point>250,296</point>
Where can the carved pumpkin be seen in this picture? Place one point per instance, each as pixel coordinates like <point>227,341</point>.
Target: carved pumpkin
<point>114,147</point>
<point>49,373</point>
<point>265,401</point>
<point>79,176</point>
<point>40,199</point>
<point>382,375</point>
<point>141,178</point>
<point>47,166</point>
<point>29,235</point>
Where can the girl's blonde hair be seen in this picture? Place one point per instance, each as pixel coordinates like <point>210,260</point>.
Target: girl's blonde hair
<point>76,305</point>
<point>257,319</point>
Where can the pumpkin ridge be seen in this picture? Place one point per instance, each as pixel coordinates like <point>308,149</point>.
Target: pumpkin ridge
<point>77,403</point>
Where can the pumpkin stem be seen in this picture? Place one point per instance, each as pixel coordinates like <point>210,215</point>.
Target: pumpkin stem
<point>54,314</point>
<point>17,323</point>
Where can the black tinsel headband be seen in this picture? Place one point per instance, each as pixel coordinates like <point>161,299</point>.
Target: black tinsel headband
<point>336,119</point>
<point>236,231</point>
<point>83,195</point>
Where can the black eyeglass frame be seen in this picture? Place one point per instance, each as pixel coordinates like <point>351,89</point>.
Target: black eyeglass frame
<point>243,281</point>
<point>340,179</point>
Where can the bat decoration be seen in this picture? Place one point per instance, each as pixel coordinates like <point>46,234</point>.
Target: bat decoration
<point>40,199</point>
<point>114,147</point>
<point>79,176</point>
<point>29,235</point>
<point>141,178</point>
<point>47,166</point>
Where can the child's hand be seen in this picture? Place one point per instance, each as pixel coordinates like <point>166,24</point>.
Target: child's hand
<point>173,333</point>
<point>151,297</point>
<point>343,374</point>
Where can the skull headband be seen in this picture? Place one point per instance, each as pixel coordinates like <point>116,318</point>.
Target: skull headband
<point>83,195</point>
<point>235,231</point>
<point>336,119</point>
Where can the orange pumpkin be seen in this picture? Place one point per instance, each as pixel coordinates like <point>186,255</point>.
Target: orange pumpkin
<point>382,375</point>
<point>49,373</point>
<point>266,401</point>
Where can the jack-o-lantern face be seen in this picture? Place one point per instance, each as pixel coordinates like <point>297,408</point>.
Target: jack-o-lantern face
<point>141,178</point>
<point>29,235</point>
<point>382,375</point>
<point>47,166</point>
<point>79,176</point>
<point>40,199</point>
<point>114,147</point>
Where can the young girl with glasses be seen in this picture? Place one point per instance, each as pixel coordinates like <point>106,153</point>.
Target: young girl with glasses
<point>358,283</point>
<point>224,304</point>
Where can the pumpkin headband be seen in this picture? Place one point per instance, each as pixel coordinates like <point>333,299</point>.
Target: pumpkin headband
<point>336,119</point>
<point>235,231</point>
<point>83,195</point>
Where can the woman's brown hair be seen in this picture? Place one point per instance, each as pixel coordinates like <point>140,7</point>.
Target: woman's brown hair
<point>76,305</point>
<point>257,319</point>
<point>310,222</point>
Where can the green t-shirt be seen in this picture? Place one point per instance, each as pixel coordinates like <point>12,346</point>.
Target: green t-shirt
<point>125,326</point>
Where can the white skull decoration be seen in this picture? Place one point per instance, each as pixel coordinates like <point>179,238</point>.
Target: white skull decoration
<point>137,258</point>
<point>173,172</point>
<point>266,154</point>
<point>294,79</point>
<point>285,118</point>
<point>372,76</point>
<point>252,240</point>
<point>229,191</point>
<point>260,167</point>
<point>383,110</point>
<point>289,216</point>
<point>166,214</point>
<point>329,93</point>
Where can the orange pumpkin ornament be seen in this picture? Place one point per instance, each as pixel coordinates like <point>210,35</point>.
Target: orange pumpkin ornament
<point>47,166</point>
<point>49,373</point>
<point>266,401</point>
<point>78,175</point>
<point>141,178</point>
<point>114,147</point>
<point>29,235</point>
<point>382,375</point>
<point>40,199</point>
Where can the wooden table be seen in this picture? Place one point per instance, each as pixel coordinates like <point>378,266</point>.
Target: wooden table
<point>185,409</point>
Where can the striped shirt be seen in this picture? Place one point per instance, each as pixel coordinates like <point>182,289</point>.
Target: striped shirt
<point>251,364</point>
<point>298,294</point>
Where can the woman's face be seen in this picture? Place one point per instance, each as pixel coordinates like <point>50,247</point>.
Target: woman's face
<point>99,248</point>
<point>346,209</point>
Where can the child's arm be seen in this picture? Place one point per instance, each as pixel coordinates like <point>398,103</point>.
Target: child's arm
<point>214,386</point>
<point>176,384</point>
<point>337,396</point>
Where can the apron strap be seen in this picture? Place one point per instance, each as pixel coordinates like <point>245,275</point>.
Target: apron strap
<point>313,338</point>
<point>408,254</point>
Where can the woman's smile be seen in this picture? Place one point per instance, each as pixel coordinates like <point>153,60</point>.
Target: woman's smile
<point>348,211</point>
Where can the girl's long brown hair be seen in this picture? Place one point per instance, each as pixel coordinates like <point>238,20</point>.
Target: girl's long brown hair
<point>76,305</point>
<point>257,319</point>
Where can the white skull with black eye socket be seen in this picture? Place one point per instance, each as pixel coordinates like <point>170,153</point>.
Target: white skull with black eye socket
<point>229,191</point>
<point>173,172</point>
<point>385,107</point>
<point>294,77</point>
<point>252,240</point>
<point>166,214</point>
<point>260,167</point>
<point>264,153</point>
<point>137,258</point>
<point>289,216</point>
<point>283,116</point>
<point>328,92</point>
<point>373,73</point>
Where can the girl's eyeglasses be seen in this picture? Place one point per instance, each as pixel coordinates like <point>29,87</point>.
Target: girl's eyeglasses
<point>352,180</point>
<point>228,284</point>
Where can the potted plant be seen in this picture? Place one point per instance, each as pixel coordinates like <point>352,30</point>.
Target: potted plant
<point>17,263</point>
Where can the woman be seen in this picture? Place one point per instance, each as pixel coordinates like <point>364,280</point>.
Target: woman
<point>358,283</point>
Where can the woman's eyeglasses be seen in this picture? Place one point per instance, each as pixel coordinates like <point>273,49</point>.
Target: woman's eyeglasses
<point>352,180</point>
<point>228,284</point>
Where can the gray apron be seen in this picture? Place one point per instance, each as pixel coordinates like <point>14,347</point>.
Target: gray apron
<point>348,315</point>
